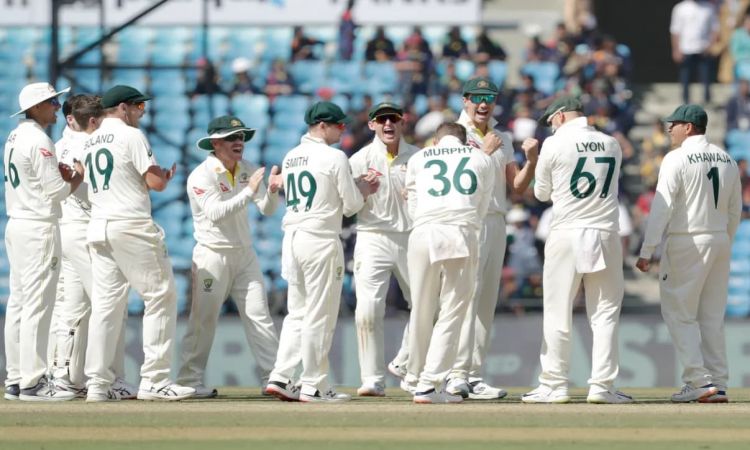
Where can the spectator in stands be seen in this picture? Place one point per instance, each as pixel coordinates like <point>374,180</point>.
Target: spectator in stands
<point>653,149</point>
<point>303,47</point>
<point>242,83</point>
<point>279,81</point>
<point>579,17</point>
<point>738,108</point>
<point>487,49</point>
<point>208,79</point>
<point>739,45</point>
<point>347,28</point>
<point>455,46</point>
<point>745,182</point>
<point>448,83</point>
<point>694,28</point>
<point>415,64</point>
<point>380,48</point>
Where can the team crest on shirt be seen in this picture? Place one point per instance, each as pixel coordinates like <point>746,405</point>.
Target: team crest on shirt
<point>207,283</point>
<point>244,178</point>
<point>339,271</point>
<point>150,153</point>
<point>198,191</point>
<point>53,263</point>
<point>46,153</point>
<point>224,187</point>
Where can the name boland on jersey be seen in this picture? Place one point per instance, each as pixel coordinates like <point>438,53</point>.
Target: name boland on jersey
<point>33,185</point>
<point>578,169</point>
<point>116,157</point>
<point>698,191</point>
<point>319,188</point>
<point>450,184</point>
<point>75,207</point>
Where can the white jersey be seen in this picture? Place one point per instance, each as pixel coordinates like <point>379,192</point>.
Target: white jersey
<point>76,207</point>
<point>450,183</point>
<point>219,203</point>
<point>33,185</point>
<point>578,169</point>
<point>319,188</point>
<point>385,210</point>
<point>698,192</point>
<point>502,157</point>
<point>116,158</point>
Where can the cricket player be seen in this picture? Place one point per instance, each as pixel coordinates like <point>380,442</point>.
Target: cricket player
<point>224,262</point>
<point>127,248</point>
<point>383,227</point>
<point>35,184</point>
<point>319,189</point>
<point>73,309</point>
<point>449,188</point>
<point>465,379</point>
<point>578,170</point>
<point>698,203</point>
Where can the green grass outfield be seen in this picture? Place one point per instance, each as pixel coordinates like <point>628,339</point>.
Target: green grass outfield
<point>241,418</point>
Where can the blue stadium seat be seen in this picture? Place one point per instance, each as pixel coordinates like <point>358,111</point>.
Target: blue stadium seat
<point>498,72</point>
<point>742,70</point>
<point>738,304</point>
<point>381,77</point>
<point>295,104</point>
<point>167,86</point>
<point>250,105</point>
<point>308,74</point>
<point>169,55</point>
<point>278,43</point>
<point>342,101</point>
<point>174,35</point>
<point>464,69</point>
<point>274,154</point>
<point>738,141</point>
<point>346,77</point>
<point>182,286</point>
<point>133,53</point>
<point>289,121</point>
<point>545,75</point>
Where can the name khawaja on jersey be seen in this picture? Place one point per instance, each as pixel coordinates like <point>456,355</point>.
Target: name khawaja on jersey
<point>706,157</point>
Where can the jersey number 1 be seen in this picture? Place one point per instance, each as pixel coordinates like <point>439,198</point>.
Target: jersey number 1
<point>306,190</point>
<point>105,170</point>
<point>713,175</point>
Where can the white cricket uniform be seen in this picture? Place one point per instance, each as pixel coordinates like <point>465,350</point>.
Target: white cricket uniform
<point>33,192</point>
<point>449,188</point>
<point>224,264</point>
<point>698,203</point>
<point>127,248</point>
<point>319,190</point>
<point>382,241</point>
<point>476,330</point>
<point>578,169</point>
<point>73,308</point>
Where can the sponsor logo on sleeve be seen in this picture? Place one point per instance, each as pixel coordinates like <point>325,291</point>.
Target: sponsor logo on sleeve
<point>46,153</point>
<point>198,191</point>
<point>224,187</point>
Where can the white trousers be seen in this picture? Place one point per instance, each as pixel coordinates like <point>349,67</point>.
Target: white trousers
<point>313,303</point>
<point>217,274</point>
<point>603,290</point>
<point>33,248</point>
<point>134,253</point>
<point>476,329</point>
<point>445,288</point>
<point>693,287</point>
<point>73,310</point>
<point>376,257</point>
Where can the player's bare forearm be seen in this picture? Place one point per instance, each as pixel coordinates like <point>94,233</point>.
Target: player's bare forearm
<point>643,264</point>
<point>523,177</point>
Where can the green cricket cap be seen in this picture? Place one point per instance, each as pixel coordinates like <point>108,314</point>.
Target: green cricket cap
<point>691,114</point>
<point>385,108</point>
<point>562,104</point>
<point>122,94</point>
<point>480,85</point>
<point>325,112</point>
<point>222,127</point>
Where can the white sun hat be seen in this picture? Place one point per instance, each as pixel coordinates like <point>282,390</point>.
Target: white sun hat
<point>36,93</point>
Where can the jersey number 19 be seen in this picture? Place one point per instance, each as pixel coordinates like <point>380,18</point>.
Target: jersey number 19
<point>104,169</point>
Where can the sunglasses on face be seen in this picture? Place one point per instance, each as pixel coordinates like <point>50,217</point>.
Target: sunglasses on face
<point>235,137</point>
<point>139,105</point>
<point>54,101</point>
<point>486,98</point>
<point>394,118</point>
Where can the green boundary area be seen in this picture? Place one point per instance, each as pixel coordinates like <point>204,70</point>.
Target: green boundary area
<point>241,418</point>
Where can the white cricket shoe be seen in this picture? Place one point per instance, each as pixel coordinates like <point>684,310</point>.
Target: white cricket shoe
<point>45,391</point>
<point>609,397</point>
<point>125,390</point>
<point>545,394</point>
<point>96,396</point>
<point>371,390</point>
<point>205,392</point>
<point>79,392</point>
<point>329,396</point>
<point>719,397</point>
<point>408,387</point>
<point>436,396</point>
<point>689,393</point>
<point>12,391</point>
<point>458,386</point>
<point>396,370</point>
<point>479,390</point>
<point>286,392</point>
<point>169,392</point>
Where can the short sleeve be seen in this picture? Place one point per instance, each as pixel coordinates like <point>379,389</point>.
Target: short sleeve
<point>141,153</point>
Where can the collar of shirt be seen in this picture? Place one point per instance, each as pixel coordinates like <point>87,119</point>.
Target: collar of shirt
<point>307,138</point>
<point>577,123</point>
<point>113,121</point>
<point>695,140</point>
<point>215,165</point>
<point>464,120</point>
<point>31,123</point>
<point>382,148</point>
<point>450,141</point>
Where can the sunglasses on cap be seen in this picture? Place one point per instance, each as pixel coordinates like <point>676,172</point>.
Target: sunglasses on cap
<point>234,137</point>
<point>139,105</point>
<point>394,118</point>
<point>482,98</point>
